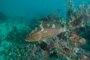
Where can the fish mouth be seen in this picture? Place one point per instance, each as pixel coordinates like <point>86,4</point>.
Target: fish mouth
<point>27,40</point>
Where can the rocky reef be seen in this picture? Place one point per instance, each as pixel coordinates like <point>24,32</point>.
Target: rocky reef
<point>54,38</point>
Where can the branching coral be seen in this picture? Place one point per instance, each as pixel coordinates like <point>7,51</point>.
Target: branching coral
<point>80,16</point>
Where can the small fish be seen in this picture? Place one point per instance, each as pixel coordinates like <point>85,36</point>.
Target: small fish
<point>75,36</point>
<point>43,32</point>
<point>58,10</point>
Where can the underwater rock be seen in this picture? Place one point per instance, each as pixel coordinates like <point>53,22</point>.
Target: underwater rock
<point>62,36</point>
<point>53,53</point>
<point>44,46</point>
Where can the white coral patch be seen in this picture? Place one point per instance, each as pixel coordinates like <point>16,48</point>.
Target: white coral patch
<point>48,25</point>
<point>53,25</point>
<point>42,28</point>
<point>44,31</point>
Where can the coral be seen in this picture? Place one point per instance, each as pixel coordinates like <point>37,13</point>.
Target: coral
<point>82,41</point>
<point>44,46</point>
<point>78,17</point>
<point>52,17</point>
<point>75,36</point>
<point>43,19</point>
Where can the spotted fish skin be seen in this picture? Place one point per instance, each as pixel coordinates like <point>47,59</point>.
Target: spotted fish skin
<point>43,32</point>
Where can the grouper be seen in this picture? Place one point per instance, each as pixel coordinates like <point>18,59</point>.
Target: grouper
<point>44,31</point>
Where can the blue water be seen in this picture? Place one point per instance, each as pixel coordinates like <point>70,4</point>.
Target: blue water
<point>31,8</point>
